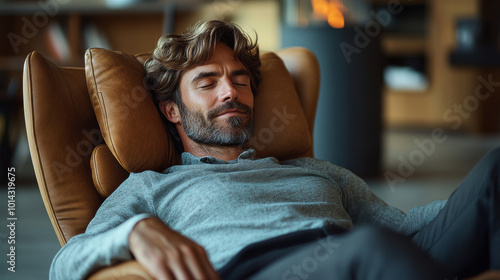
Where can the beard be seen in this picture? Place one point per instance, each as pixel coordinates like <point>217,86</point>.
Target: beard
<point>234,131</point>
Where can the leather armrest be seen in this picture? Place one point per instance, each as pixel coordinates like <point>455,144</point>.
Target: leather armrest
<point>129,270</point>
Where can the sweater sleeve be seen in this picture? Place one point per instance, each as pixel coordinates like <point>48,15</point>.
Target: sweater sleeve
<point>105,242</point>
<point>362,205</point>
<point>420,216</point>
<point>365,207</point>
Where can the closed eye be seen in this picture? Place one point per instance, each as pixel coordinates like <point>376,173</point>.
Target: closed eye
<point>241,80</point>
<point>206,86</point>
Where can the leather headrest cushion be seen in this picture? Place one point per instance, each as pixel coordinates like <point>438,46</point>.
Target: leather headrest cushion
<point>281,124</point>
<point>136,136</point>
<point>130,124</point>
<point>281,128</point>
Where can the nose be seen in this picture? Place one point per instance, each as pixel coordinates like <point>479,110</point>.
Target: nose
<point>228,91</point>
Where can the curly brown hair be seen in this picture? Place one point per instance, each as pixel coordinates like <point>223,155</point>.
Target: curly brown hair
<point>175,54</point>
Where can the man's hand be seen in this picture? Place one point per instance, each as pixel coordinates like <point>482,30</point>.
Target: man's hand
<point>167,254</point>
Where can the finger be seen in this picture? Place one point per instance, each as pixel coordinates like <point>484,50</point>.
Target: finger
<point>162,273</point>
<point>158,268</point>
<point>209,267</point>
<point>200,265</point>
<point>177,264</point>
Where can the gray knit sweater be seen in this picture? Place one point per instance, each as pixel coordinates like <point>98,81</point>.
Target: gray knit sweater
<point>225,206</point>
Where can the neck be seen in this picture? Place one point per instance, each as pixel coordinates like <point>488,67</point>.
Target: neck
<point>219,152</point>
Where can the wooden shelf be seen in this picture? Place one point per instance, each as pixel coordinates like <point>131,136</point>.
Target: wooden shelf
<point>450,81</point>
<point>411,2</point>
<point>61,33</point>
<point>403,44</point>
<point>95,7</point>
<point>388,90</point>
<point>12,63</point>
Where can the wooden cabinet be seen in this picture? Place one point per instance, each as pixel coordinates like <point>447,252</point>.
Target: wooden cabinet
<point>62,30</point>
<point>74,27</point>
<point>450,100</point>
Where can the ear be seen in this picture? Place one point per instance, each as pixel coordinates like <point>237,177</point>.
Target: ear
<point>171,111</point>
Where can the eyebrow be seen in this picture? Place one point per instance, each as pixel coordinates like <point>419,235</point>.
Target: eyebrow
<point>201,75</point>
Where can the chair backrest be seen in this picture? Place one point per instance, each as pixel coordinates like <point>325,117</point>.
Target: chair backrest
<point>69,141</point>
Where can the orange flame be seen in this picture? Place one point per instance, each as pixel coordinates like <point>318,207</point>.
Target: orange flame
<point>330,10</point>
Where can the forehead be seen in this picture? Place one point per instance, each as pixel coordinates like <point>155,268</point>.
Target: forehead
<point>222,53</point>
<point>223,57</point>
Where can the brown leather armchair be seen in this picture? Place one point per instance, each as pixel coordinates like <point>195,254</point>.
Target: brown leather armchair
<point>89,127</point>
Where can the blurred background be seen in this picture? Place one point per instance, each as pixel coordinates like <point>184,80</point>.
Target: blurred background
<point>408,96</point>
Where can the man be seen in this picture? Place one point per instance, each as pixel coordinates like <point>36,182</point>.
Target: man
<point>224,215</point>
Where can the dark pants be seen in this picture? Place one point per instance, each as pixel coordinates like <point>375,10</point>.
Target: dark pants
<point>463,240</point>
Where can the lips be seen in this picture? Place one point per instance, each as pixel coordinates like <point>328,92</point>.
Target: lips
<point>232,111</point>
<point>233,107</point>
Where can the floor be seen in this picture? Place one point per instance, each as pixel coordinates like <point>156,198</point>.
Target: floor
<point>431,173</point>
<point>435,175</point>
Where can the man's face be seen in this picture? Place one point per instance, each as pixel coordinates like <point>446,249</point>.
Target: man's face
<point>217,101</point>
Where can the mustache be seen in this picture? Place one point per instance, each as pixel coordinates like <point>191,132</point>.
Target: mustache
<point>214,112</point>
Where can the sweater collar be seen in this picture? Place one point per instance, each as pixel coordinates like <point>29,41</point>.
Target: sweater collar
<point>188,158</point>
